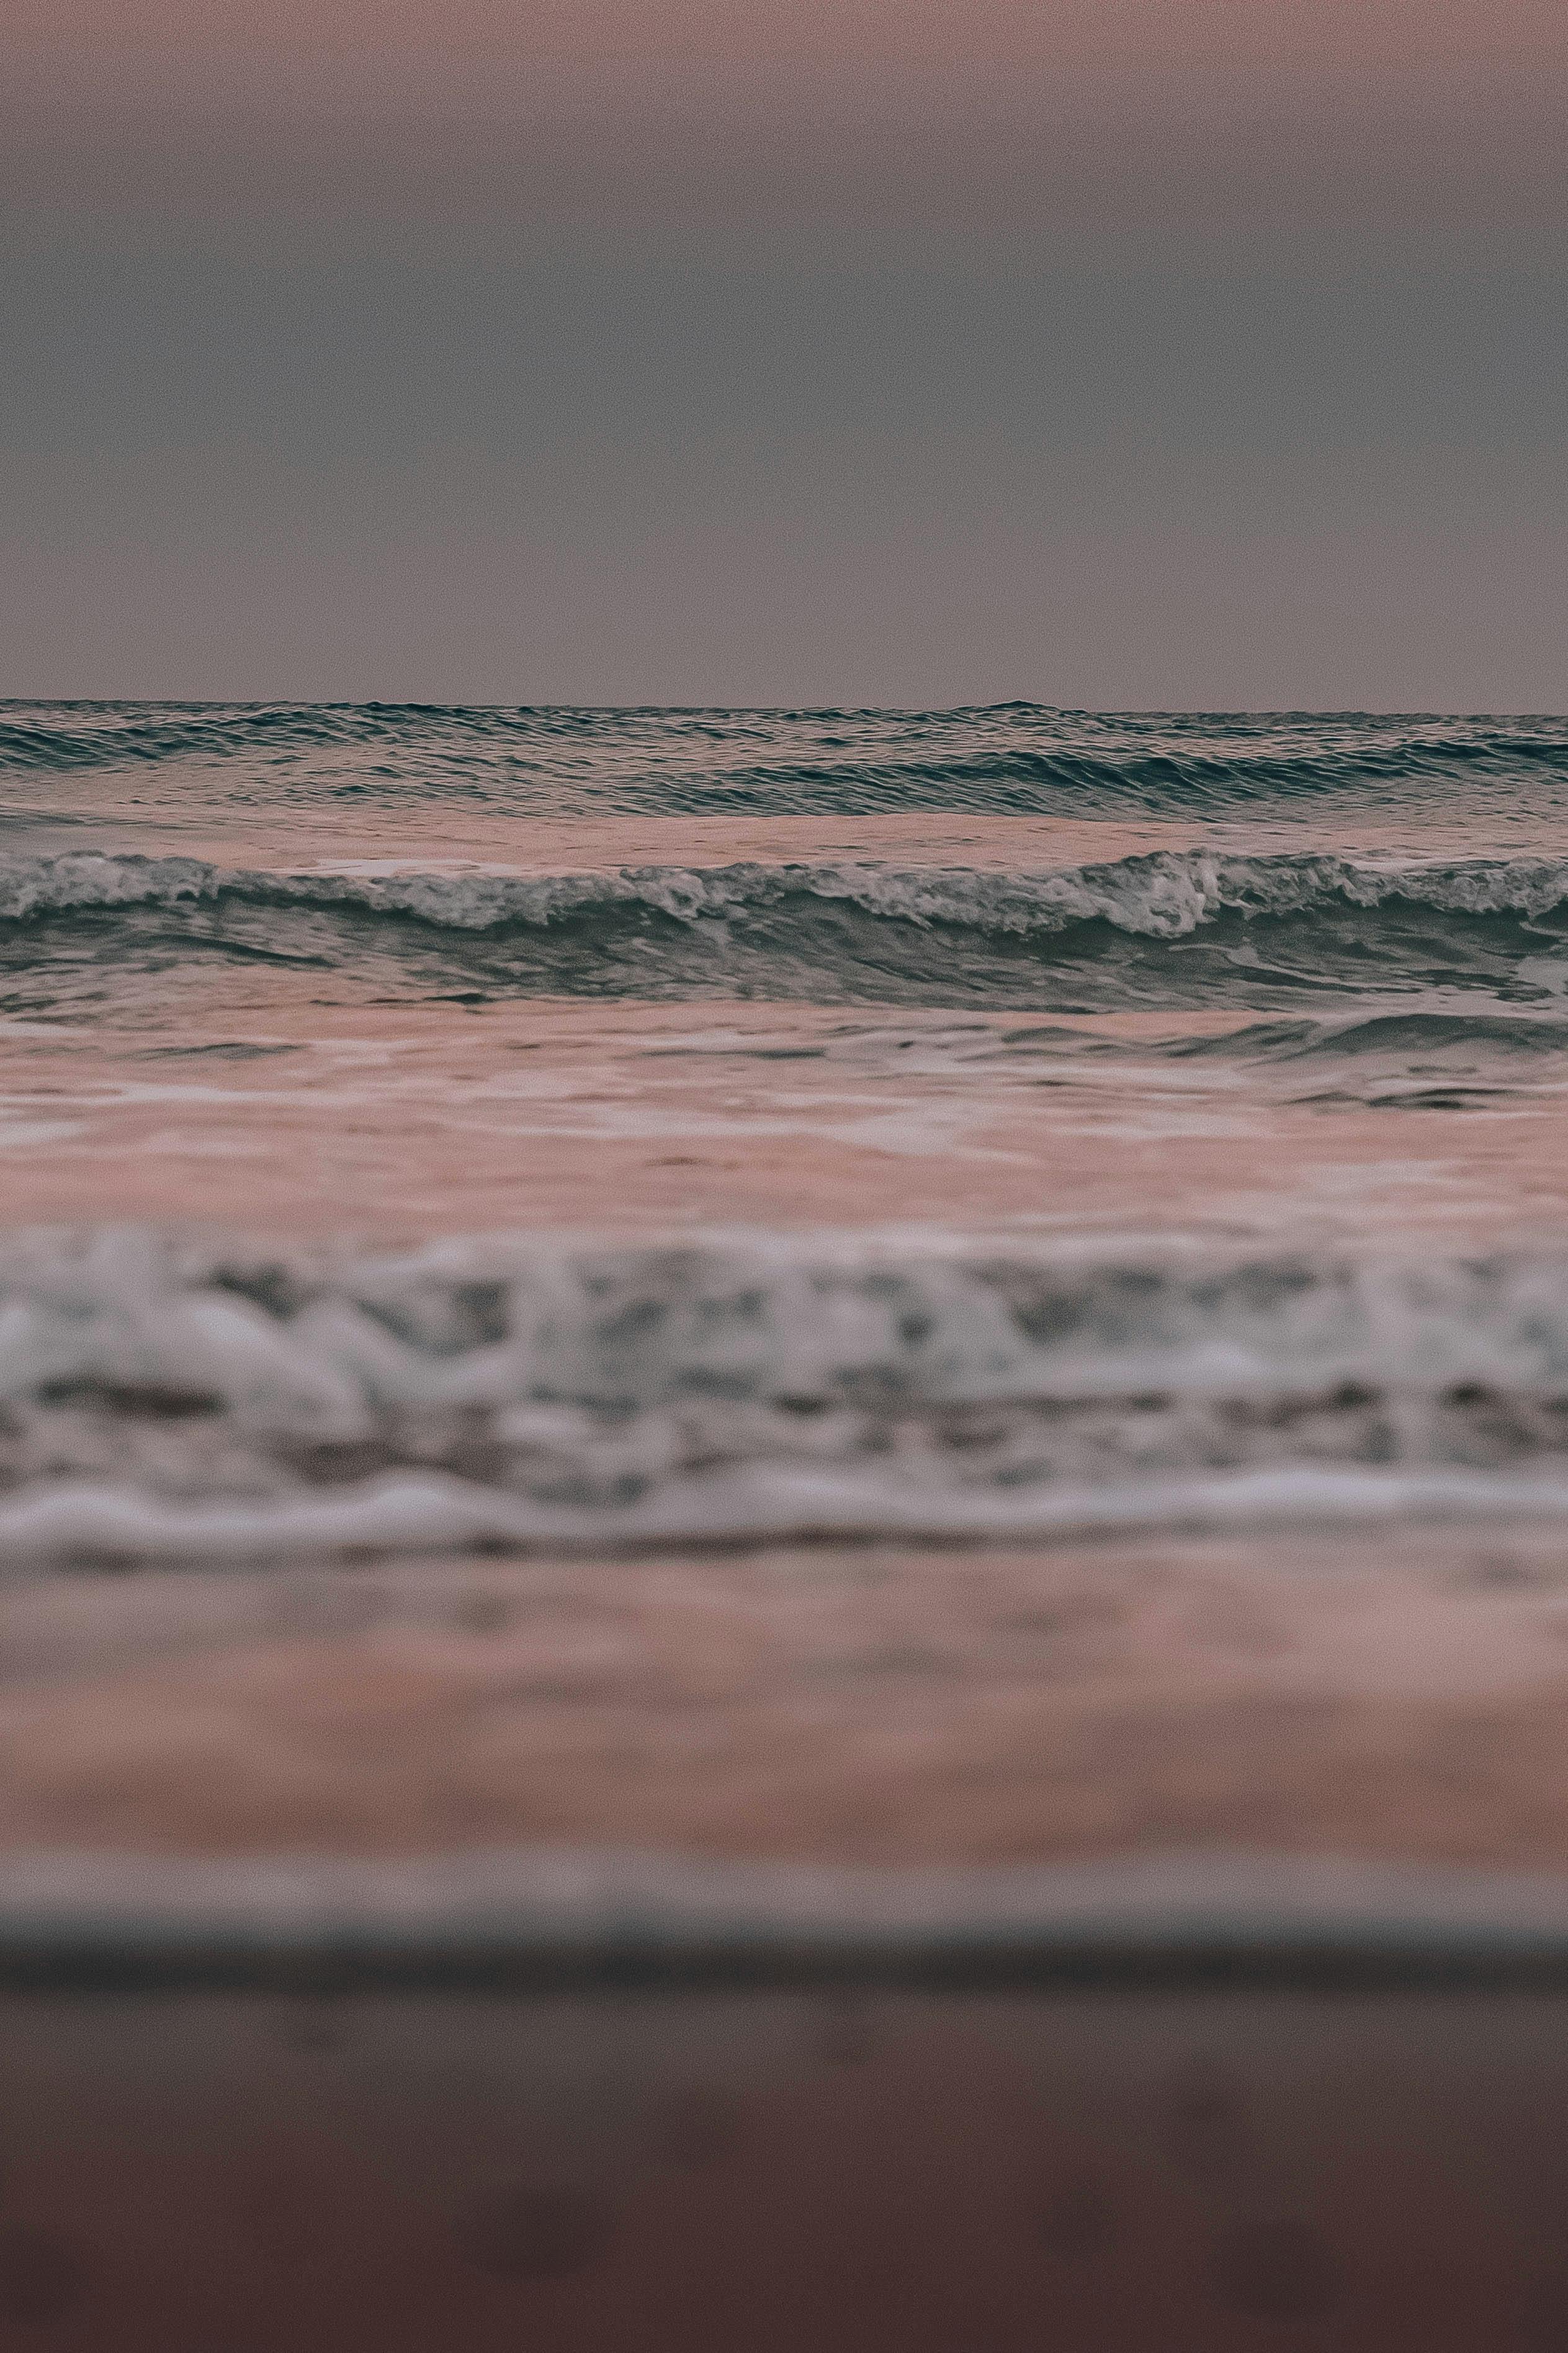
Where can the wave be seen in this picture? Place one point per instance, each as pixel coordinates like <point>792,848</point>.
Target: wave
<point>1016,757</point>
<point>1477,1038</point>
<point>1190,928</point>
<point>164,1401</point>
<point>1164,895</point>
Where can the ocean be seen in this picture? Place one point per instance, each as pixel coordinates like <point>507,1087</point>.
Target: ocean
<point>465,1131</point>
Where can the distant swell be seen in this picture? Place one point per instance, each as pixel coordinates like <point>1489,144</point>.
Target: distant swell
<point>1014,757</point>
<point>161,1400</point>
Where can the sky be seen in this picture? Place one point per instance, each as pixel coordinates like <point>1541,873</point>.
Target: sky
<point>1136,353</point>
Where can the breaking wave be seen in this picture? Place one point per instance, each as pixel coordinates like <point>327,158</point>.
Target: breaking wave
<point>1192,926</point>
<point>162,1400</point>
<point>1164,894</point>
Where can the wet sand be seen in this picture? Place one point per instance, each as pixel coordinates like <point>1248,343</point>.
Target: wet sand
<point>851,2173</point>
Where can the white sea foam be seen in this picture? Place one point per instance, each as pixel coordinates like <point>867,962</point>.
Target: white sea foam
<point>163,1399</point>
<point>82,1522</point>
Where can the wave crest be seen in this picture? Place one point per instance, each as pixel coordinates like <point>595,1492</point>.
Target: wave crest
<point>1164,894</point>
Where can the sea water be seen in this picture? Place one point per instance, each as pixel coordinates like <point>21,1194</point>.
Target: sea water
<point>425,1128</point>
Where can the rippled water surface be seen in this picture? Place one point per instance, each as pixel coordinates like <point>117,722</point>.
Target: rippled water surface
<point>577,1126</point>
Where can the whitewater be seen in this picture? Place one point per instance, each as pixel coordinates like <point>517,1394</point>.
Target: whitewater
<point>470,1130</point>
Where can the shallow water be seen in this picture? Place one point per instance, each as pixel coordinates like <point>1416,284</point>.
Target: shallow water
<point>975,1123</point>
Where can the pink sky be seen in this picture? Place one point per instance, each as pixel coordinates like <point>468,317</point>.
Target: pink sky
<point>1402,38</point>
<point>1126,351</point>
<point>1426,119</point>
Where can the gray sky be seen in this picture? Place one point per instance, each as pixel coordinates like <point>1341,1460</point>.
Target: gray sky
<point>677,359</point>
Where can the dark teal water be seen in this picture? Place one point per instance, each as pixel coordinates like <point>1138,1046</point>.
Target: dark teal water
<point>1433,853</point>
<point>1013,759</point>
